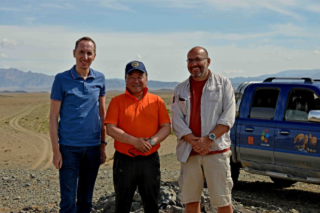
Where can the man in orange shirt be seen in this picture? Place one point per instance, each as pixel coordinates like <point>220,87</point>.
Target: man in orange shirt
<point>138,121</point>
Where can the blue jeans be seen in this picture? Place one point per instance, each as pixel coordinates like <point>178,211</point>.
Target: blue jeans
<point>77,176</point>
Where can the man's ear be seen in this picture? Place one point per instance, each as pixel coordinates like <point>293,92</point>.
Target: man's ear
<point>74,53</point>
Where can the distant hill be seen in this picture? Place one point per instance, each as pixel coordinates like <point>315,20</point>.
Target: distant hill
<point>29,81</point>
<point>315,74</point>
<point>164,90</point>
<point>16,91</point>
<point>17,78</point>
<point>119,84</point>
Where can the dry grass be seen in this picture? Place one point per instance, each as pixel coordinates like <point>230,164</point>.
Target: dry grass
<point>24,149</point>
<point>11,104</point>
<point>38,119</point>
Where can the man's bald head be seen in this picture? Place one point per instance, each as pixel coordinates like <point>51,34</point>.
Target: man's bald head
<point>197,48</point>
<point>198,63</point>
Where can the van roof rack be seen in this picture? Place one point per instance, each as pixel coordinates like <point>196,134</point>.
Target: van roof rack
<point>306,80</point>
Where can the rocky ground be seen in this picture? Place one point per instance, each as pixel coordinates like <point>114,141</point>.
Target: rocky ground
<point>38,191</point>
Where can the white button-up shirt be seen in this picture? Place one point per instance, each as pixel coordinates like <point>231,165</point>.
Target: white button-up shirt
<point>217,107</point>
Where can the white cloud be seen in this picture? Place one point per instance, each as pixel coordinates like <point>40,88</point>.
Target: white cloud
<point>6,66</point>
<point>11,9</point>
<point>288,58</point>
<point>316,52</point>
<point>2,55</point>
<point>284,7</point>
<point>29,20</point>
<point>314,8</point>
<point>9,43</point>
<point>238,36</point>
<point>113,4</point>
<point>292,30</point>
<point>233,71</point>
<point>57,6</point>
<point>49,50</point>
<point>281,10</point>
<point>139,56</point>
<point>247,62</point>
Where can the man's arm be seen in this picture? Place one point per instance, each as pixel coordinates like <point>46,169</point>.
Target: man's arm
<point>203,143</point>
<point>162,133</point>
<point>53,126</point>
<point>102,114</point>
<point>179,126</point>
<point>141,144</point>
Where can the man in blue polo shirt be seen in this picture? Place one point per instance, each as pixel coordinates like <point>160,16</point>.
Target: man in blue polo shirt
<point>78,139</point>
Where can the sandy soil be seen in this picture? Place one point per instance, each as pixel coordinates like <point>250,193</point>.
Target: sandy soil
<point>28,177</point>
<point>24,132</point>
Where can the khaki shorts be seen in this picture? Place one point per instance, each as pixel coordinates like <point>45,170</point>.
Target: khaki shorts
<point>216,169</point>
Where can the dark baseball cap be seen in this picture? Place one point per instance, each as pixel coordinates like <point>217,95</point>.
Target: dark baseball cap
<point>135,65</point>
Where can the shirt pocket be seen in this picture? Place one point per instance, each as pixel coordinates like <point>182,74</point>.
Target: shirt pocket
<point>215,94</point>
<point>183,103</point>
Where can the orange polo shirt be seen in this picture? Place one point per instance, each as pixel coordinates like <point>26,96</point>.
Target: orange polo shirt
<point>137,118</point>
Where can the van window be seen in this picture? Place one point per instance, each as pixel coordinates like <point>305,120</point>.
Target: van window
<point>264,102</point>
<point>299,104</point>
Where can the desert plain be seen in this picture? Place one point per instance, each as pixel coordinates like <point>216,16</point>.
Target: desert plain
<point>24,131</point>
<point>29,179</point>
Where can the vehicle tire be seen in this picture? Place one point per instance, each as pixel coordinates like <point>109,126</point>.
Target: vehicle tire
<point>282,182</point>
<point>235,171</point>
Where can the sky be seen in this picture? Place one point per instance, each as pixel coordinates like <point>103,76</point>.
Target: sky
<point>244,38</point>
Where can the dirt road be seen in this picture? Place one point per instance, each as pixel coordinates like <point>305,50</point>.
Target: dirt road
<point>41,146</point>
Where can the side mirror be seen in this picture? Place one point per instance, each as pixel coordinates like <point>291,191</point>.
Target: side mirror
<point>314,115</point>
<point>238,108</point>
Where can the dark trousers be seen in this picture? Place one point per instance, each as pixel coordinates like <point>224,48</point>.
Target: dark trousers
<point>130,172</point>
<point>77,176</point>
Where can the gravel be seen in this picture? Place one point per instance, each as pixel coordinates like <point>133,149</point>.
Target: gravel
<point>38,191</point>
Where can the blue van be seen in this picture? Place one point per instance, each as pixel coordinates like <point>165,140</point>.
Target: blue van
<point>277,130</point>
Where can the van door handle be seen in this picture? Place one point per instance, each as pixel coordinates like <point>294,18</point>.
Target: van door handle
<point>284,132</point>
<point>249,129</point>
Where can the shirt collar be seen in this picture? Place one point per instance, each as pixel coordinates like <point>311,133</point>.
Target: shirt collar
<point>75,75</point>
<point>145,91</point>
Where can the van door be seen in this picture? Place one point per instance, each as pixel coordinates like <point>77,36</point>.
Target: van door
<point>258,125</point>
<point>296,138</point>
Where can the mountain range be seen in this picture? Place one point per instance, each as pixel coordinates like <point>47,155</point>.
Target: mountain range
<point>31,81</point>
<point>314,74</point>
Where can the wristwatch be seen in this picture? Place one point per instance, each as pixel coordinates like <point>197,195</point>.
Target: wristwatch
<point>152,142</point>
<point>105,142</point>
<point>212,136</point>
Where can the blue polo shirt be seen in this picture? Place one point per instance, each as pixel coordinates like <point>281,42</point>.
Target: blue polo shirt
<point>79,123</point>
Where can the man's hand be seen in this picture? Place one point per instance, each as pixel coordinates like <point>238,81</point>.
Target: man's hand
<point>190,139</point>
<point>142,144</point>
<point>103,154</point>
<point>202,146</point>
<point>205,151</point>
<point>57,159</point>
